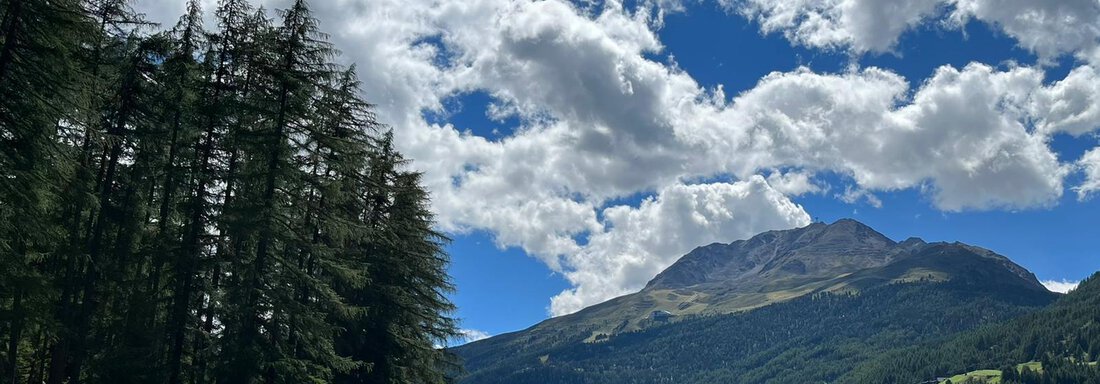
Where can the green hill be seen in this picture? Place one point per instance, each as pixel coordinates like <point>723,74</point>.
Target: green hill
<point>1064,339</point>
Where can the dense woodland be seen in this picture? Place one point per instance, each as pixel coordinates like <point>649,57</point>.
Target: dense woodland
<point>204,204</point>
<point>1064,337</point>
<point>822,338</point>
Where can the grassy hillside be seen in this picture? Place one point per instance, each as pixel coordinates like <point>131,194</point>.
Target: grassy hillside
<point>991,376</point>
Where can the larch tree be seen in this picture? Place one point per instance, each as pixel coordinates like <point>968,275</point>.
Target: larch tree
<point>204,206</point>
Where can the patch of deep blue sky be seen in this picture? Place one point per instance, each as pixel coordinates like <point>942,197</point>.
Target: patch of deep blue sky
<point>504,290</point>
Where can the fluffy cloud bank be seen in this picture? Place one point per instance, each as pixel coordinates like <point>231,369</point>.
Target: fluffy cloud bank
<point>602,123</point>
<point>962,135</point>
<point>1063,286</point>
<point>1090,163</point>
<point>1048,28</point>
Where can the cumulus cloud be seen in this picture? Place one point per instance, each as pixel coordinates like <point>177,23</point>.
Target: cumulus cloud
<point>855,195</point>
<point>1048,28</point>
<point>1063,286</point>
<point>472,335</point>
<point>600,122</point>
<point>1070,105</point>
<point>793,183</point>
<point>1090,163</point>
<point>961,137</point>
<point>861,25</point>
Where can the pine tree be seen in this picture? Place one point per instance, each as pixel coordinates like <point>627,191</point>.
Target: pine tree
<point>199,208</point>
<point>37,43</point>
<point>270,320</point>
<point>201,141</point>
<point>406,282</point>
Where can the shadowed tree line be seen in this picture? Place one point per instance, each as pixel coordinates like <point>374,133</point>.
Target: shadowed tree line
<point>204,204</point>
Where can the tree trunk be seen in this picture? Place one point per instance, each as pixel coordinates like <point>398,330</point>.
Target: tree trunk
<point>13,337</point>
<point>191,254</point>
<point>263,246</point>
<point>96,244</point>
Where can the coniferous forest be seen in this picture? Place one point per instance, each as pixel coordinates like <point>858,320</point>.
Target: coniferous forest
<point>204,204</point>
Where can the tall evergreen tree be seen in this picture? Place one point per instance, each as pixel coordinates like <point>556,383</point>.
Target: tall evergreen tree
<point>38,41</point>
<point>405,291</point>
<point>193,207</point>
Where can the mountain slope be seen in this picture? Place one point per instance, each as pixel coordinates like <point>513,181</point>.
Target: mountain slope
<point>768,280</point>
<point>1062,335</point>
<point>774,258</point>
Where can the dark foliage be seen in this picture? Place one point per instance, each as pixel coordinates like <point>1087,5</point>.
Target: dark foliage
<point>204,205</point>
<point>1065,337</point>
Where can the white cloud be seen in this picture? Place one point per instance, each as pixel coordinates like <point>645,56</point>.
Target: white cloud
<point>472,335</point>
<point>168,12</point>
<point>1063,286</point>
<point>861,25</point>
<point>464,336</point>
<point>1048,28</point>
<point>855,195</point>
<point>1090,164</point>
<point>793,183</point>
<point>961,136</point>
<point>1071,105</point>
<point>601,122</point>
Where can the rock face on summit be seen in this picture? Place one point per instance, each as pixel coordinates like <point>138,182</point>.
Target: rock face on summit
<point>812,252</point>
<point>780,260</point>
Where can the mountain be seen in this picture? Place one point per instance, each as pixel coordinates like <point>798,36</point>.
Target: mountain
<point>845,255</point>
<point>747,303</point>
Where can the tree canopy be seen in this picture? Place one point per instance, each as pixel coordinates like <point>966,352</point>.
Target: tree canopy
<point>205,204</point>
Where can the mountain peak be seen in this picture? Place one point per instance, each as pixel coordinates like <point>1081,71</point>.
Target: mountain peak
<point>854,231</point>
<point>782,260</point>
<point>848,221</point>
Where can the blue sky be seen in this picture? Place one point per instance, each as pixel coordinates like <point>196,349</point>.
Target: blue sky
<point>502,290</point>
<point>574,149</point>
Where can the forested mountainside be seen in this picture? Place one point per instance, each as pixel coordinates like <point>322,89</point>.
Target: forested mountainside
<point>204,204</point>
<point>856,295</point>
<point>1063,338</point>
